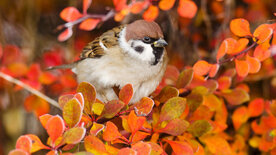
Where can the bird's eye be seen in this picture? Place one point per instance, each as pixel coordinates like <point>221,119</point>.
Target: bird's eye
<point>146,39</point>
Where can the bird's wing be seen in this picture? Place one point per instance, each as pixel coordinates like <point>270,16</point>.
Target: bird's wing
<point>96,48</point>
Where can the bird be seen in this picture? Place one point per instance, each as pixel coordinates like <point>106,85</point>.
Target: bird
<point>128,54</point>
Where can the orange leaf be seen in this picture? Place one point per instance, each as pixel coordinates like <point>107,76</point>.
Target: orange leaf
<point>85,5</point>
<point>24,143</point>
<point>256,107</point>
<point>201,67</point>
<point>70,14</point>
<point>55,127</point>
<point>236,96</point>
<point>119,4</point>
<point>212,102</point>
<point>187,8</point>
<point>18,152</point>
<point>66,34</point>
<point>262,52</point>
<point>175,127</point>
<point>254,64</point>
<point>185,78</point>
<point>80,98</point>
<point>242,67</point>
<point>89,94</point>
<point>139,136</point>
<point>144,106</point>
<point>72,112</point>
<point>94,145</point>
<point>213,70</point>
<point>126,93</point>
<point>227,46</point>
<point>166,4</point>
<point>155,149</point>
<point>166,93</point>
<point>134,122</point>
<point>119,16</point>
<point>127,151</point>
<point>224,82</point>
<point>181,148</point>
<point>47,78</point>
<point>141,148</point>
<point>111,132</point>
<point>18,69</point>
<point>272,107</point>
<point>137,7</point>
<point>239,46</point>
<point>111,108</point>
<point>36,104</point>
<point>96,128</point>
<point>74,135</point>
<point>240,116</point>
<point>36,143</point>
<point>262,33</point>
<point>44,119</point>
<point>89,24</point>
<point>151,13</point>
<point>216,144</point>
<point>240,27</point>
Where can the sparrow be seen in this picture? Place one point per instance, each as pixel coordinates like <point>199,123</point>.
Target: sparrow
<point>134,53</point>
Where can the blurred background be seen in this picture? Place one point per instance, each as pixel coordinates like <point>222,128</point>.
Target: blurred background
<point>28,45</point>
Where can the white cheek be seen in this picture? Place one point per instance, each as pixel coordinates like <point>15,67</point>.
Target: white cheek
<point>146,55</point>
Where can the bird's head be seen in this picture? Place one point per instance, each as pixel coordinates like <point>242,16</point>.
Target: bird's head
<point>143,40</point>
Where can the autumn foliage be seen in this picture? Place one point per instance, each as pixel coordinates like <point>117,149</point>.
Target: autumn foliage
<point>206,108</point>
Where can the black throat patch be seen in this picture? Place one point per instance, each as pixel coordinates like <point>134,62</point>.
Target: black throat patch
<point>158,52</point>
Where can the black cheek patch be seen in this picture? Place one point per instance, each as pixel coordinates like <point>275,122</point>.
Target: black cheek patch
<point>139,49</point>
<point>158,52</point>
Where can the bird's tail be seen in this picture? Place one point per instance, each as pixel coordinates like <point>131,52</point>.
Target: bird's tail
<point>65,66</point>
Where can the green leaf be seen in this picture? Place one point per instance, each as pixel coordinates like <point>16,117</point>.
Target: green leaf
<point>89,94</point>
<point>236,96</point>
<point>167,93</point>
<point>185,78</point>
<point>175,127</point>
<point>172,109</point>
<point>112,108</point>
<point>72,112</point>
<point>199,127</point>
<point>74,135</point>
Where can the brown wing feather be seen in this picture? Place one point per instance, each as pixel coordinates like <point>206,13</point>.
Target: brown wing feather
<point>109,39</point>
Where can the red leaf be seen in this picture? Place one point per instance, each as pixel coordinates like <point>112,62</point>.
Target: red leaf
<point>134,122</point>
<point>65,34</point>
<point>24,143</point>
<point>70,14</point>
<point>262,33</point>
<point>166,4</point>
<point>36,143</point>
<point>201,67</point>
<point>36,104</point>
<point>180,147</point>
<point>34,72</point>
<point>240,27</point>
<point>119,4</point>
<point>111,132</point>
<point>94,145</point>
<point>72,112</point>
<point>89,24</point>
<point>187,8</point>
<point>74,135</point>
<point>151,13</point>
<point>11,54</point>
<point>144,106</point>
<point>126,93</point>
<point>242,67</point>
<point>85,5</point>
<point>142,148</point>
<point>256,107</point>
<point>52,58</point>
<point>55,127</point>
<point>254,64</point>
<point>224,82</point>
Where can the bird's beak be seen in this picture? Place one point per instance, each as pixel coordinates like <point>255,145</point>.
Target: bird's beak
<point>160,43</point>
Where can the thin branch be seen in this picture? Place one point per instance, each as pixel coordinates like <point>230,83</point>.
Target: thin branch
<point>238,54</point>
<point>30,89</point>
